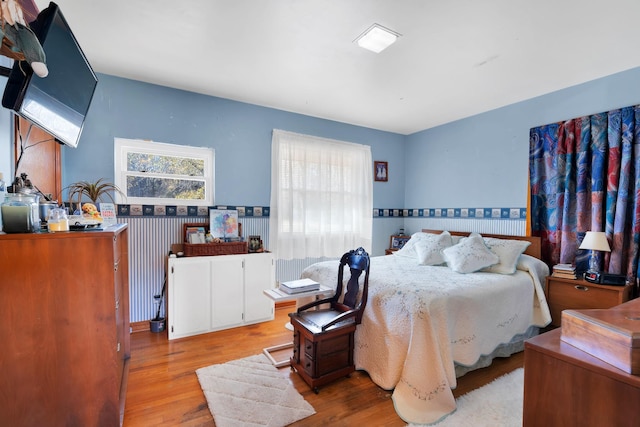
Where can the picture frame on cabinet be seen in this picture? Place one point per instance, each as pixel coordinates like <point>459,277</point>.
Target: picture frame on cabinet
<point>223,223</point>
<point>255,244</point>
<point>195,234</point>
<point>380,171</point>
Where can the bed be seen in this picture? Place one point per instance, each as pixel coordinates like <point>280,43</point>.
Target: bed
<point>432,314</point>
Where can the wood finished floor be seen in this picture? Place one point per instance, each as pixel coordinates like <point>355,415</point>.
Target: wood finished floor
<point>163,389</point>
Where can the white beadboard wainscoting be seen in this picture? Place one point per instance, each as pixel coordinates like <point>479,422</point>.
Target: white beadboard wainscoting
<point>512,227</point>
<point>150,239</point>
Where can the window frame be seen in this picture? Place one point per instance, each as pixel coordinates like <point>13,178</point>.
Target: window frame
<point>123,146</point>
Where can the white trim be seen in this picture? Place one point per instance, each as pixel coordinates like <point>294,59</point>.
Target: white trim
<point>123,146</point>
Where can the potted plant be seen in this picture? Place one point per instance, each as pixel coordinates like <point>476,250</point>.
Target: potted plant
<point>94,191</point>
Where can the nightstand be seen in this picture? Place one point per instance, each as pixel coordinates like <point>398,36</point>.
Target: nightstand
<point>563,294</point>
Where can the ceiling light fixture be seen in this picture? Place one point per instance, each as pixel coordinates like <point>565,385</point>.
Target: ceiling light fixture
<point>376,38</point>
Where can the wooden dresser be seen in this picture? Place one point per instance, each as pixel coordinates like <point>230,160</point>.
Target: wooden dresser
<point>565,386</point>
<point>64,299</point>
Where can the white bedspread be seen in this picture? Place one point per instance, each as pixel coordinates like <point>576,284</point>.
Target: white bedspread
<point>419,320</point>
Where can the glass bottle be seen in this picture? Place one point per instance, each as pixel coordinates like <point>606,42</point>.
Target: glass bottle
<point>20,213</point>
<point>58,220</point>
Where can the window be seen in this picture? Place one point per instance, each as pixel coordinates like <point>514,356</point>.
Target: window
<point>156,173</point>
<point>321,196</point>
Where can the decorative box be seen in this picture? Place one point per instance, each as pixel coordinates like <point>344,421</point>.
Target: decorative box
<point>208,249</point>
<point>612,335</point>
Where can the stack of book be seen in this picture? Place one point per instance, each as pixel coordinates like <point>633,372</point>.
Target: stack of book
<point>566,271</point>
<point>298,286</point>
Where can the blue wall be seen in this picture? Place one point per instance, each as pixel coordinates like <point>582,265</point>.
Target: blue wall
<point>482,161</point>
<point>240,134</point>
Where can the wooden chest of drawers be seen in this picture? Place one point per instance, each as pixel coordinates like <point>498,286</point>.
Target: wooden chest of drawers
<point>563,294</point>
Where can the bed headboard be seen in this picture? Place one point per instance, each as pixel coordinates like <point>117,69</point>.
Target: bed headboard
<point>534,249</point>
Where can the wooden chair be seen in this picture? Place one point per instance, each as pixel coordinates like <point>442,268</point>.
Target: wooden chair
<point>323,336</point>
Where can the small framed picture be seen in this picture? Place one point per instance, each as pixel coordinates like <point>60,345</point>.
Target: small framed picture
<point>380,171</point>
<point>255,244</point>
<point>397,242</point>
<point>195,234</point>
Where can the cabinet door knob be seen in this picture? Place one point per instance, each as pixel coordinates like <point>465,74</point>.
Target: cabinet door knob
<point>581,288</point>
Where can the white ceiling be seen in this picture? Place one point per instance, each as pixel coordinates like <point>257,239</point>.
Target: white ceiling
<point>456,58</point>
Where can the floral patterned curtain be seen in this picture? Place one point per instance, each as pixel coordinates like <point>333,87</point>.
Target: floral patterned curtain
<point>585,176</point>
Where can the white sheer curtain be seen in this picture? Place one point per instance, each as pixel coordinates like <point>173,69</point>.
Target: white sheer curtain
<point>321,196</point>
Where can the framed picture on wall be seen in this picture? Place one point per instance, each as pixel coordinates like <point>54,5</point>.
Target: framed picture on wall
<point>380,171</point>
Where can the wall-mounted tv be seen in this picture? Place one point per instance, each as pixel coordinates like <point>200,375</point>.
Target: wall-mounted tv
<point>58,103</point>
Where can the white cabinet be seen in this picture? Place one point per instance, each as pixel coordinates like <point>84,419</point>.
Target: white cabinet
<point>189,296</point>
<point>227,292</point>
<point>255,274</point>
<point>211,293</point>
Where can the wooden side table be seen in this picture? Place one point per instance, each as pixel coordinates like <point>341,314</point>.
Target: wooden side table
<point>563,294</point>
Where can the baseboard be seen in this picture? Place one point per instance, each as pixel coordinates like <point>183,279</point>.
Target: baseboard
<point>144,326</point>
<point>140,326</point>
<point>285,304</point>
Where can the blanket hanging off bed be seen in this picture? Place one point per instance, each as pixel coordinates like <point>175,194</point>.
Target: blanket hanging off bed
<point>421,319</point>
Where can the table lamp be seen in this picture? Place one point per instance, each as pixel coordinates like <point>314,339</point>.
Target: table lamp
<point>595,241</point>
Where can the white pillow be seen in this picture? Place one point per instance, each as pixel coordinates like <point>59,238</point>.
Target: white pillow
<point>470,255</point>
<point>409,249</point>
<point>508,251</point>
<point>456,239</point>
<point>429,248</point>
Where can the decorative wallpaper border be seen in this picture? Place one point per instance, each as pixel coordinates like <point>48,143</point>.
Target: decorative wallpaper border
<point>264,211</point>
<point>171,210</point>
<point>462,213</point>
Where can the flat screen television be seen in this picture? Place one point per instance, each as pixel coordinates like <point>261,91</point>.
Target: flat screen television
<point>58,103</point>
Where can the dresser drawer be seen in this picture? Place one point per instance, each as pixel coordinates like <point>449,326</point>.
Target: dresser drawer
<point>309,348</point>
<point>308,364</point>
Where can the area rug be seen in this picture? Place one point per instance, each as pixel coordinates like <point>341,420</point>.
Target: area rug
<point>498,403</point>
<point>251,392</point>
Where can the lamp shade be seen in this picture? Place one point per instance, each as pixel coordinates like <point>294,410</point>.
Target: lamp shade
<point>595,241</point>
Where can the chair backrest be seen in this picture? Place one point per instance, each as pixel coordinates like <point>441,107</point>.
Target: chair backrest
<point>358,262</point>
